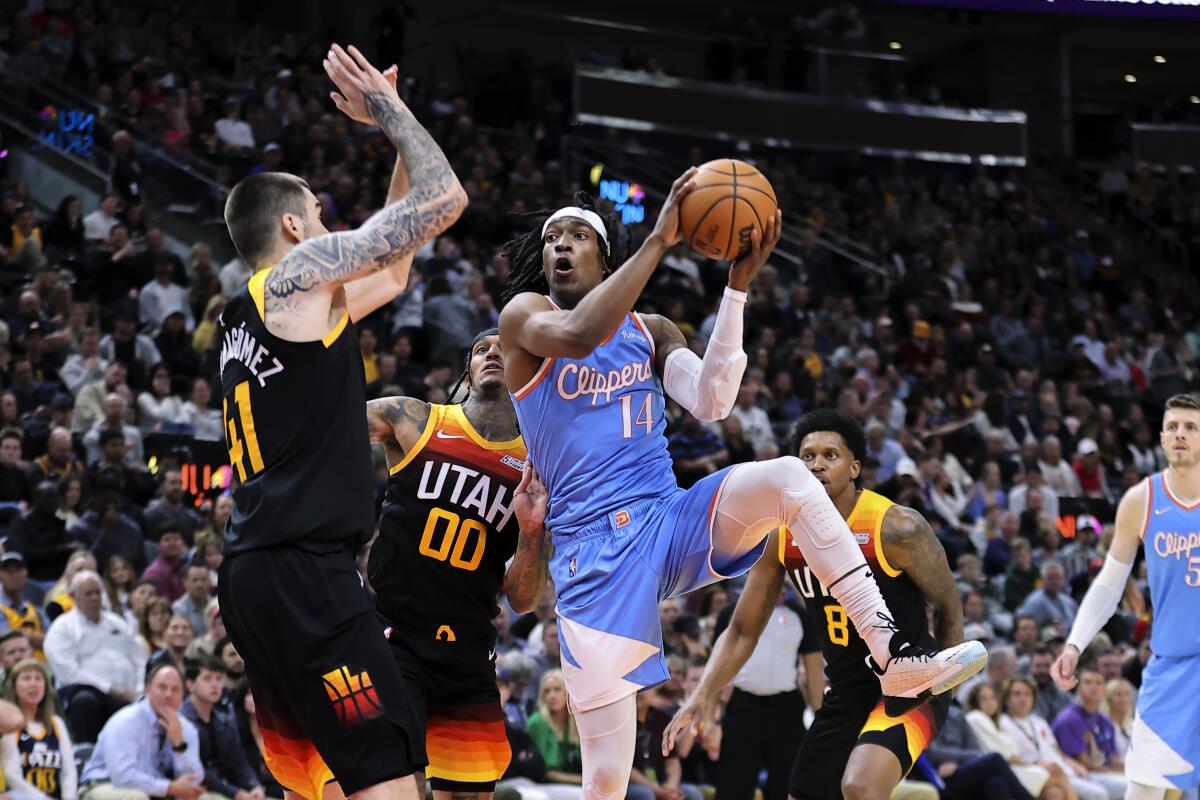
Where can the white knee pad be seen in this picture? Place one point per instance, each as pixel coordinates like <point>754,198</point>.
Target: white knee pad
<point>805,504</point>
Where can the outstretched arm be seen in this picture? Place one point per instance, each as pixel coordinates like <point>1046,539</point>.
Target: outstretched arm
<point>530,569</point>
<point>530,323</point>
<point>434,202</point>
<point>734,647</point>
<point>909,544</point>
<point>1104,595</point>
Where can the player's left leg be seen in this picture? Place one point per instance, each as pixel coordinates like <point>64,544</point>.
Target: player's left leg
<point>888,746</point>
<point>607,739</point>
<point>1166,739</point>
<point>871,773</point>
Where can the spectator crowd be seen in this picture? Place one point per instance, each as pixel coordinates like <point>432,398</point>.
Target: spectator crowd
<point>1008,362</point>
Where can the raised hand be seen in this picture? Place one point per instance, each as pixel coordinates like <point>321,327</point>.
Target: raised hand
<point>746,268</point>
<point>667,225</point>
<point>364,93</point>
<point>531,500</point>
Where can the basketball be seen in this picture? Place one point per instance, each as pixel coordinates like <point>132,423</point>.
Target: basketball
<point>731,198</point>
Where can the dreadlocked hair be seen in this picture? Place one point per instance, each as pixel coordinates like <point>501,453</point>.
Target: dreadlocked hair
<point>524,253</point>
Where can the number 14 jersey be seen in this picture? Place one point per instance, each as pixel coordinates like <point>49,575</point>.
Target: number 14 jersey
<point>595,428</point>
<point>447,528</point>
<point>296,426</point>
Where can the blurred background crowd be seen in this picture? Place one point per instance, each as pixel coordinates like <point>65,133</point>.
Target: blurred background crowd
<point>1007,346</point>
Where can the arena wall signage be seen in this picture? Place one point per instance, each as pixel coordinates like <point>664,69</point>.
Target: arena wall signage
<point>72,131</point>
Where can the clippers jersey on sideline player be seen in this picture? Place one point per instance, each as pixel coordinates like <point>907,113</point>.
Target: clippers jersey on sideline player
<point>595,428</point>
<point>852,711</point>
<point>295,431</point>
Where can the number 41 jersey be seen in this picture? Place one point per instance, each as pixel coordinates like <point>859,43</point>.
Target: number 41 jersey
<point>296,427</point>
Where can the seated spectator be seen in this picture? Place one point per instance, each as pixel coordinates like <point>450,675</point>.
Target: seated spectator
<point>1057,471</point>
<point>113,419</point>
<point>206,331</point>
<point>15,487</point>
<point>174,342</point>
<point>39,760</point>
<point>143,592</point>
<point>147,749</point>
<point>41,537</point>
<point>58,597</point>
<point>19,601</point>
<point>192,604</point>
<point>250,736</point>
<point>1035,742</point>
<point>965,770</point>
<point>205,645</point>
<point>119,578</point>
<point>1027,637</point>
<point>553,730</point>
<point>59,460</point>
<point>98,225</point>
<point>226,770</point>
<point>32,393</point>
<point>1001,667</point>
<point>96,660</point>
<point>177,637</point>
<point>206,422</point>
<point>161,296</point>
<point>1032,479</point>
<point>158,409</point>
<point>1120,703</point>
<point>695,451</point>
<point>14,647</point>
<point>983,715</point>
<point>1089,472</point>
<point>1088,737</point>
<point>169,567</point>
<point>1021,577</point>
<point>70,501</point>
<point>89,403</point>
<point>169,509</point>
<point>84,367</point>
<point>126,346</point>
<point>986,492</point>
<point>106,531</point>
<point>133,484</point>
<point>235,667</point>
<point>152,624</point>
<point>208,547</point>
<point>756,425</point>
<point>1050,603</point>
<point>737,446</point>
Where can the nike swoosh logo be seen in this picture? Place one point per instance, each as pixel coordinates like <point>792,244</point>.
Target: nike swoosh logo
<point>492,655</point>
<point>444,435</point>
<point>1160,511</point>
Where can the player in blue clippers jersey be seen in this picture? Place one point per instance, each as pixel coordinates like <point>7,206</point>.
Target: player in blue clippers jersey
<point>589,380</point>
<point>1162,513</point>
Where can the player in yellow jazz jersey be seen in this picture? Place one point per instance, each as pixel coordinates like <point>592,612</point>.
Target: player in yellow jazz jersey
<point>854,748</point>
<point>461,501</point>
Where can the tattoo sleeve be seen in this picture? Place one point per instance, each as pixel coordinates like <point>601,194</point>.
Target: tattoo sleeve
<point>911,545</point>
<point>397,420</point>
<point>434,202</point>
<point>530,570</point>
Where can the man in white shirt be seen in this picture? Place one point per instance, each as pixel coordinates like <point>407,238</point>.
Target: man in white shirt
<point>86,366</point>
<point>114,418</point>
<point>1057,471</point>
<point>233,277</point>
<point>756,425</point>
<point>160,297</point>
<point>1018,497</point>
<point>98,224</point>
<point>233,131</point>
<point>98,662</point>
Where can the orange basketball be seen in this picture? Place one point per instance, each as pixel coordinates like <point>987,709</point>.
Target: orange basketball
<point>730,200</point>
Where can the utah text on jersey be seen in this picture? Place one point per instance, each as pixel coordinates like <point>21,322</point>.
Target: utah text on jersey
<point>240,345</point>
<point>478,494</point>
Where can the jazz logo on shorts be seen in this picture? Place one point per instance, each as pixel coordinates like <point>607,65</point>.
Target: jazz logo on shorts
<point>353,696</point>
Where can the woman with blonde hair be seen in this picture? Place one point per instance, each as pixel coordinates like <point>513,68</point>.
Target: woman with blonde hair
<point>203,336</point>
<point>1120,702</point>
<point>52,773</point>
<point>983,715</point>
<point>119,579</point>
<point>553,731</point>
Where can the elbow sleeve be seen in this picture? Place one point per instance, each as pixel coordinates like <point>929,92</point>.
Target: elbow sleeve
<point>1100,602</point>
<point>708,387</point>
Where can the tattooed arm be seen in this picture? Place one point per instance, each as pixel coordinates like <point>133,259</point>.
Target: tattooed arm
<point>909,544</point>
<point>397,424</point>
<point>300,289</point>
<point>530,569</point>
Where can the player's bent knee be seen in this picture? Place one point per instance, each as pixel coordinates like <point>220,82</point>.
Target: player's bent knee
<point>606,783</point>
<point>855,787</point>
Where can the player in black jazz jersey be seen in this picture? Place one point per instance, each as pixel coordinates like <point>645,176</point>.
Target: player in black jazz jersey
<point>330,699</point>
<point>854,748</point>
<point>461,501</point>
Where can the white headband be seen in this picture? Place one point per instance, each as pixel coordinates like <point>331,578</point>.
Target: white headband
<point>590,217</point>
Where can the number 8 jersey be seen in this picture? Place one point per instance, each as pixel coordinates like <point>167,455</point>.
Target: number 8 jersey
<point>595,428</point>
<point>844,650</point>
<point>296,427</point>
<point>447,528</point>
